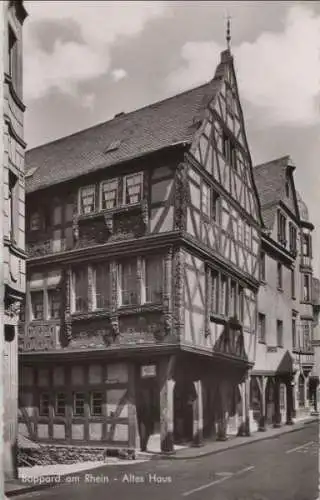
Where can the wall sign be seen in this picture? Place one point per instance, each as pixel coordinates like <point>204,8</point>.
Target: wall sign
<point>148,371</point>
<point>39,338</point>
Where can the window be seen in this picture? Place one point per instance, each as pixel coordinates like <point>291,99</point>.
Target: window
<point>153,278</point>
<point>263,266</point>
<point>293,284</point>
<point>223,306</point>
<point>215,292</point>
<point>261,327</point>
<point>215,206</point>
<point>306,288</point>
<point>279,276</point>
<point>205,199</point>
<point>282,229</point>
<point>102,290</point>
<point>306,245</point>
<point>129,284</point>
<point>81,290</point>
<point>60,404</point>
<point>241,303</point>
<point>37,311</point>
<point>306,332</point>
<point>35,221</point>
<point>279,333</point>
<point>96,403</point>
<point>54,303</point>
<point>13,57</point>
<point>13,207</point>
<point>294,333</point>
<point>44,404</point>
<point>109,194</point>
<point>78,404</point>
<point>233,299</point>
<point>87,199</point>
<point>292,238</point>
<point>133,188</point>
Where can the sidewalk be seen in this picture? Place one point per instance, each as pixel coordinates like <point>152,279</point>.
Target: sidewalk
<point>213,447</point>
<point>36,478</point>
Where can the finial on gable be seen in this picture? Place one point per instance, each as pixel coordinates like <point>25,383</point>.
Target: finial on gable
<point>228,33</point>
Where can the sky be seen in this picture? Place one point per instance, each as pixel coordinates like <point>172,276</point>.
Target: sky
<point>85,61</point>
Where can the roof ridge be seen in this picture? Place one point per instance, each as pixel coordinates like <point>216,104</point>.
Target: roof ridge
<point>118,118</point>
<point>275,160</point>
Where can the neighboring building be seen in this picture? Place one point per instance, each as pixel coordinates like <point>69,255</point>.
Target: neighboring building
<point>285,357</point>
<point>143,239</point>
<point>12,282</point>
<point>316,343</point>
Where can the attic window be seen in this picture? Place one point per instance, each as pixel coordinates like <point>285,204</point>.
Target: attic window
<point>30,172</point>
<point>112,146</point>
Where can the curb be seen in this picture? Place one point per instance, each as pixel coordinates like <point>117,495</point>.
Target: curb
<point>37,487</point>
<point>172,456</point>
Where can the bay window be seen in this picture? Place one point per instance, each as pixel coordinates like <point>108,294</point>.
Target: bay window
<point>133,185</point>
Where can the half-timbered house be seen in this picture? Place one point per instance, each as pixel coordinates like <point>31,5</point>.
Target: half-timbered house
<point>12,237</point>
<point>284,358</point>
<point>143,239</point>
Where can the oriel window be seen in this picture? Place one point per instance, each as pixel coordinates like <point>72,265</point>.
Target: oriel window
<point>133,188</point>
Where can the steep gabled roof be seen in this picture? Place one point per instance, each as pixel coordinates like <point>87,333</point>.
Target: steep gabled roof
<point>154,127</point>
<point>270,180</point>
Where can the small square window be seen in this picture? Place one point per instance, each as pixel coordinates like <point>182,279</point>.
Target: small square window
<point>133,185</point>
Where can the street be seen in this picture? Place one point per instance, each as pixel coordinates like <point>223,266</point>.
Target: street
<point>283,468</point>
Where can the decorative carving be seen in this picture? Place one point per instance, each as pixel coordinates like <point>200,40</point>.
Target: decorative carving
<point>145,212</point>
<point>114,321</point>
<point>178,292</point>
<point>182,196</point>
<point>108,219</point>
<point>12,309</point>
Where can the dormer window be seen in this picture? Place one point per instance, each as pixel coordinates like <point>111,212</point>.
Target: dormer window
<point>133,188</point>
<point>87,199</point>
<point>35,221</point>
<point>109,194</point>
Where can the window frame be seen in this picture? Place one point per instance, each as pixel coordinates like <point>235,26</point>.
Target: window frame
<point>279,276</point>
<point>50,292</point>
<point>74,295</point>
<point>74,406</point>
<point>263,266</point>
<point>279,333</point>
<point>80,199</point>
<point>262,330</point>
<point>160,281</point>
<point>108,296</point>
<point>56,404</point>
<point>32,315</point>
<point>306,297</point>
<point>124,188</point>
<point>121,267</point>
<point>92,412</point>
<point>41,412</point>
<point>101,191</point>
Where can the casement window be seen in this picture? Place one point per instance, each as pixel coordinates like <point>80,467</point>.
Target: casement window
<point>13,207</point>
<point>223,302</point>
<point>293,284</point>
<point>129,282</point>
<point>279,276</point>
<point>80,290</point>
<point>78,404</point>
<point>153,278</point>
<point>205,199</point>
<point>306,245</point>
<point>37,308</point>
<point>261,327</point>
<point>102,286</point>
<point>294,333</point>
<point>233,299</point>
<point>35,221</point>
<point>279,333</point>
<point>96,402</point>
<point>109,194</point>
<point>133,187</point>
<point>215,292</point>
<point>13,57</point>
<point>306,288</point>
<point>292,238</point>
<point>263,266</point>
<point>60,404</point>
<point>215,206</point>
<point>54,303</point>
<point>44,404</point>
<point>87,200</point>
<point>282,229</point>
